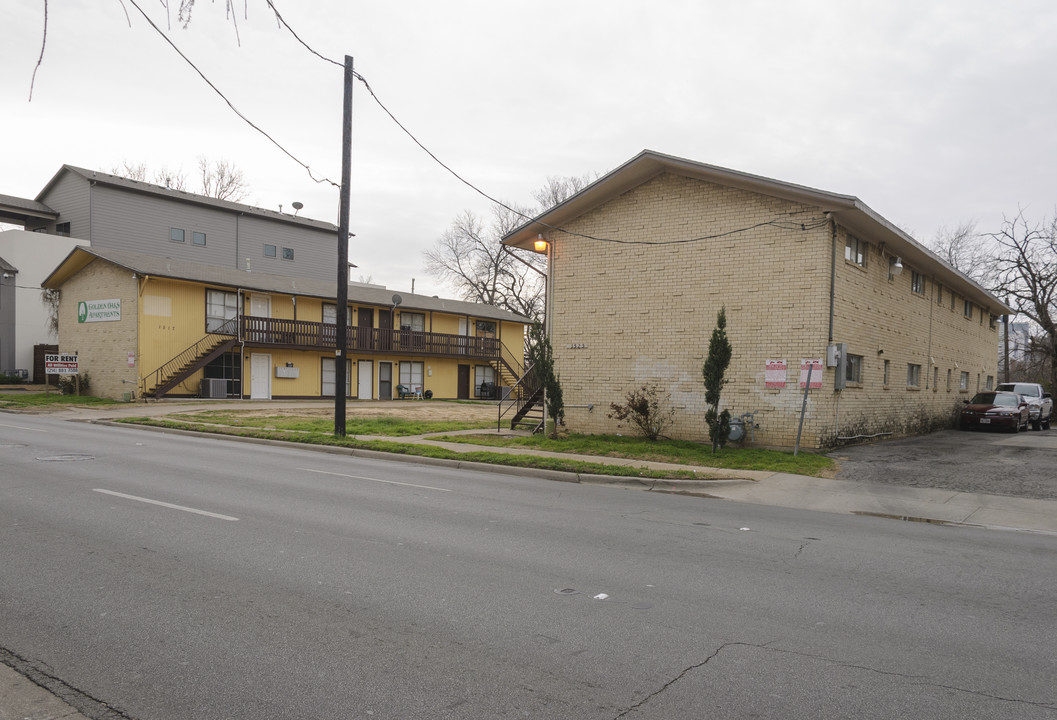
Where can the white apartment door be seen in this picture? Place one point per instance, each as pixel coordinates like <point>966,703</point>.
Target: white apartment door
<point>365,380</point>
<point>260,307</point>
<point>260,376</point>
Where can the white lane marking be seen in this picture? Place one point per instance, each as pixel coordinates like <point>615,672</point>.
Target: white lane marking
<point>20,427</point>
<point>387,482</point>
<point>165,504</point>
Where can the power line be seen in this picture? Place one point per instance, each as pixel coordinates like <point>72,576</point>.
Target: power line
<point>482,193</point>
<point>228,102</point>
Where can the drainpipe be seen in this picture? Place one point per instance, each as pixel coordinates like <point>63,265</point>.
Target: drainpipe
<point>832,269</point>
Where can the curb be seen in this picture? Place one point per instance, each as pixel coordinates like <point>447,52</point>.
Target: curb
<point>675,486</point>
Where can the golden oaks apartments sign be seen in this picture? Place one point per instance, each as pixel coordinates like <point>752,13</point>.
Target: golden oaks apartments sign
<point>99,310</point>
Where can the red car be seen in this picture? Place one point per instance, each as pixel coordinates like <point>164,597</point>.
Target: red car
<point>996,409</point>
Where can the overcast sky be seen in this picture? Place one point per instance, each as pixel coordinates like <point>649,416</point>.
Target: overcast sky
<point>933,112</point>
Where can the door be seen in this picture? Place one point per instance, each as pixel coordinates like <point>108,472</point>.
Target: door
<point>260,307</point>
<point>260,376</point>
<point>464,382</point>
<point>364,328</point>
<point>385,381</point>
<point>464,332</point>
<point>385,330</point>
<point>365,382</point>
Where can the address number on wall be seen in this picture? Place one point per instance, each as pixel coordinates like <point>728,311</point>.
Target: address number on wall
<point>577,346</point>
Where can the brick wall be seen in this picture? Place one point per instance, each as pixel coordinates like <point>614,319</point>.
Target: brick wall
<point>102,347</point>
<point>624,315</point>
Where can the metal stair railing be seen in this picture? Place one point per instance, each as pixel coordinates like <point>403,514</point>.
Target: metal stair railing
<point>525,393</point>
<point>160,378</point>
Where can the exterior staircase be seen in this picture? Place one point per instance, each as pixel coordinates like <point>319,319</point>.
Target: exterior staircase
<point>181,367</point>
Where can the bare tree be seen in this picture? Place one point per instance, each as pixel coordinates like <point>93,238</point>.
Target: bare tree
<point>1025,273</point>
<point>966,250</point>
<point>468,256</point>
<point>222,180</point>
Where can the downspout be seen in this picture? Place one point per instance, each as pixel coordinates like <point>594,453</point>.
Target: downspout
<point>832,270</point>
<point>932,312</point>
<point>242,350</point>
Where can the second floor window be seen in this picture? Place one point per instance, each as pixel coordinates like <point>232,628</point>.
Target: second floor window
<point>856,251</point>
<point>269,251</point>
<point>288,253</point>
<point>413,321</point>
<point>854,369</point>
<point>198,238</point>
<point>176,234</point>
<point>968,309</point>
<point>221,310</point>
<point>917,282</point>
<point>913,376</point>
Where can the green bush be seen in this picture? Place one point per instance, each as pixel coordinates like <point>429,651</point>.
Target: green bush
<point>68,384</point>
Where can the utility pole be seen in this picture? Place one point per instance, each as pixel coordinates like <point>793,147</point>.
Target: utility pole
<point>342,330</point>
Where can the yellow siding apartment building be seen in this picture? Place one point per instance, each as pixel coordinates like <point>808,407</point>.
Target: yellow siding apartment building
<point>143,325</point>
<point>641,261</point>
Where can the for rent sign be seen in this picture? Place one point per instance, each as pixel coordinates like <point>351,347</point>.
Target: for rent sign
<point>99,310</point>
<point>60,364</point>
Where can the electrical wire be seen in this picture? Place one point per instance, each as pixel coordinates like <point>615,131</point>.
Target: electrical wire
<point>776,223</point>
<point>229,103</point>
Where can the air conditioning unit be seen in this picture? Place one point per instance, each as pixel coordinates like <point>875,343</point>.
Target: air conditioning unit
<point>213,388</point>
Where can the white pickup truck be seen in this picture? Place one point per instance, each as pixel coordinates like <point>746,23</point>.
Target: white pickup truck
<point>1040,403</point>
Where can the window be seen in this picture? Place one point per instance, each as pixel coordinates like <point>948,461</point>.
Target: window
<point>198,238</point>
<point>935,379</point>
<point>411,375</point>
<point>992,322</point>
<point>413,321</point>
<point>330,314</point>
<point>853,367</point>
<point>939,294</point>
<point>269,251</point>
<point>990,382</point>
<point>917,282</point>
<point>948,379</point>
<point>329,380</point>
<point>485,328</point>
<point>913,376</point>
<point>484,375</point>
<point>62,228</point>
<point>221,310</point>
<point>855,250</point>
<point>176,234</point>
<point>288,253</point>
<point>968,309</point>
<point>964,386</point>
<point>887,366</point>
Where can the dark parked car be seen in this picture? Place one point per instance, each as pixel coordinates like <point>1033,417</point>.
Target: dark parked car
<point>995,409</point>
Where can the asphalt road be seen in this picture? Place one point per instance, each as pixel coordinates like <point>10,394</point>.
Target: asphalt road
<point>995,463</point>
<point>288,583</point>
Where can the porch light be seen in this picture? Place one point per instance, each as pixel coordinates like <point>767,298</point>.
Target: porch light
<point>896,266</point>
<point>540,244</point>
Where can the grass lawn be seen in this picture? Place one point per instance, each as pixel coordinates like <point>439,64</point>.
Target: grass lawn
<point>319,430</point>
<point>15,400</point>
<point>386,426</point>
<point>672,451</point>
<point>573,466</point>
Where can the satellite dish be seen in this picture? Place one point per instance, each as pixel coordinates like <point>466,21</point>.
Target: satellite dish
<point>397,300</point>
<point>297,206</point>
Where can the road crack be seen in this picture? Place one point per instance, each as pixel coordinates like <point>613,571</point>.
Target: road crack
<point>39,673</point>
<point>1049,704</point>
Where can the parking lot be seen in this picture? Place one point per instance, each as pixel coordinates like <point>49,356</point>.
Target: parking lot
<point>1019,465</point>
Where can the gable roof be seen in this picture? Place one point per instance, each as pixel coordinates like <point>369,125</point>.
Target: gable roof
<point>230,278</point>
<point>138,186</point>
<point>847,211</point>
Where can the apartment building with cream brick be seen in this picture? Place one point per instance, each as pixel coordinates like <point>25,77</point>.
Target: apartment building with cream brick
<point>641,262</point>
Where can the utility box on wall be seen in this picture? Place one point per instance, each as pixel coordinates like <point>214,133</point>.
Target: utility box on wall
<point>287,371</point>
<point>837,358</point>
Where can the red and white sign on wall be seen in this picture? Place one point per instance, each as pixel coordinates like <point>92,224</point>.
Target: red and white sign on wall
<point>816,372</point>
<point>774,374</point>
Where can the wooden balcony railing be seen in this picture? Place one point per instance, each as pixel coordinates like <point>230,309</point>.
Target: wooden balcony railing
<point>301,334</point>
